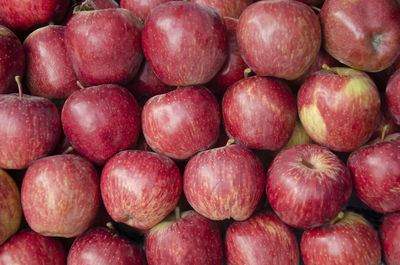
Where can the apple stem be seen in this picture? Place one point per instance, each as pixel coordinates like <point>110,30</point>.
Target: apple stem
<point>384,130</point>
<point>316,8</point>
<point>246,72</point>
<point>177,213</point>
<point>80,85</point>
<point>68,150</point>
<point>110,226</point>
<point>230,142</point>
<point>19,83</point>
<point>338,217</point>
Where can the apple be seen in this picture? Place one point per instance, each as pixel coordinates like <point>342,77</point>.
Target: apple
<point>30,129</point>
<point>390,237</point>
<point>100,4</point>
<point>362,34</point>
<point>104,46</point>
<point>12,60</point>
<point>225,182</point>
<point>182,122</point>
<point>184,42</point>
<point>392,95</point>
<point>10,207</point>
<point>376,174</point>
<point>227,8</point>
<point>261,239</point>
<point>385,124</point>
<point>29,247</point>
<point>141,8</point>
<point>279,38</point>
<point>348,240</point>
<point>101,120</point>
<point>299,136</point>
<point>102,246</point>
<point>23,15</point>
<point>140,188</point>
<point>259,112</point>
<point>60,195</point>
<point>186,239</point>
<point>307,185</point>
<point>339,108</point>
<point>49,72</point>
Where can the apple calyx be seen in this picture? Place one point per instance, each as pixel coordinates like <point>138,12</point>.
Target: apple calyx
<point>336,219</point>
<point>19,84</point>
<point>376,41</point>
<point>87,5</point>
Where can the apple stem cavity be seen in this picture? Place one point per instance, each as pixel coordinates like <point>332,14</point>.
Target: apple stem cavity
<point>177,213</point>
<point>246,72</point>
<point>80,85</point>
<point>230,142</point>
<point>307,163</point>
<point>19,83</point>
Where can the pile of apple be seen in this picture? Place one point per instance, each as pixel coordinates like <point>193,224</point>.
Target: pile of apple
<point>200,132</point>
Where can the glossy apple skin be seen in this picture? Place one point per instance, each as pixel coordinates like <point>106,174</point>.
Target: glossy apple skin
<point>93,60</point>
<point>30,129</point>
<point>192,239</point>
<point>12,60</point>
<point>102,246</point>
<point>140,188</point>
<point>307,185</point>
<point>141,8</point>
<point>184,42</point>
<point>350,241</point>
<point>225,182</point>
<point>182,122</point>
<point>29,247</point>
<point>227,8</point>
<point>101,120</point>
<point>392,95</point>
<point>22,15</point>
<point>49,71</point>
<point>259,112</point>
<point>390,236</point>
<point>339,108</point>
<point>273,43</point>
<point>10,207</point>
<point>60,195</point>
<point>261,239</point>
<point>362,34</point>
<point>376,174</point>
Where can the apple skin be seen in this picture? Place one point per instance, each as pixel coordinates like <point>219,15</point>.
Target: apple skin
<point>101,120</point>
<point>102,246</point>
<point>182,122</point>
<point>362,34</point>
<point>390,236</point>
<point>140,188</point>
<point>23,15</point>
<point>261,239</point>
<point>29,247</point>
<point>349,241</point>
<point>60,195</point>
<point>227,8</point>
<point>272,41</point>
<point>49,72</point>
<point>10,207</point>
<point>225,182</point>
<point>12,60</point>
<point>307,185</point>
<point>192,239</point>
<point>101,4</point>
<point>30,129</point>
<point>339,108</point>
<point>93,61</point>
<point>392,95</point>
<point>259,112</point>
<point>141,8</point>
<point>185,43</point>
<point>299,136</point>
<point>376,174</point>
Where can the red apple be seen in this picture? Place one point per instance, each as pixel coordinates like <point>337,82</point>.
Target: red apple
<point>350,240</point>
<point>101,120</point>
<point>227,8</point>
<point>225,182</point>
<point>102,246</point>
<point>28,247</point>
<point>10,207</point>
<point>261,239</point>
<point>339,108</point>
<point>385,124</point>
<point>60,195</point>
<point>393,96</point>
<point>362,34</point>
<point>190,240</point>
<point>185,43</point>
<point>140,188</point>
<point>49,71</point>
<point>259,112</point>
<point>104,46</point>
<point>279,38</point>
<point>307,185</point>
<point>299,136</point>
<point>30,128</point>
<point>141,8</point>
<point>390,238</point>
<point>182,122</point>
<point>12,60</point>
<point>100,4</point>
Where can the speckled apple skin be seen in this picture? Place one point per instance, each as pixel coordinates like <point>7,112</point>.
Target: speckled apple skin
<point>392,94</point>
<point>390,234</point>
<point>141,8</point>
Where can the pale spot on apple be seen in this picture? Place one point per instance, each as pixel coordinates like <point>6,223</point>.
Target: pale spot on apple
<point>311,117</point>
<point>356,87</point>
